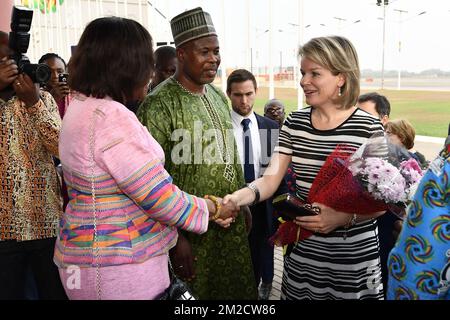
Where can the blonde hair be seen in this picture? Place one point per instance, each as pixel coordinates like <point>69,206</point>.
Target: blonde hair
<point>338,55</point>
<point>404,130</point>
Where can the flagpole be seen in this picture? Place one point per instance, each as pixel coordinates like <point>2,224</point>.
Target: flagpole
<point>271,80</point>
<point>300,42</point>
<point>223,49</point>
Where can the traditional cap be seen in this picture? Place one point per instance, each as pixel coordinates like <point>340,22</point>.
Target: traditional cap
<point>191,25</point>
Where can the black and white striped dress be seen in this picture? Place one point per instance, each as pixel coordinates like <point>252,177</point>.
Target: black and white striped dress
<point>327,266</point>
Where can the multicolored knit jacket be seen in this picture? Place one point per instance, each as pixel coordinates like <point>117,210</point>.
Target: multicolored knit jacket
<point>419,264</point>
<point>138,208</point>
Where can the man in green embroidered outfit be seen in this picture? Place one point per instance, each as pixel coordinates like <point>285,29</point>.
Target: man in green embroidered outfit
<point>191,120</point>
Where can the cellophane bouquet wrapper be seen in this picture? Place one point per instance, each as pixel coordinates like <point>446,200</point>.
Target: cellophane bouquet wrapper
<point>372,178</point>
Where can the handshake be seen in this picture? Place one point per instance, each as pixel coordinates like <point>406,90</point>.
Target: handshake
<point>222,212</point>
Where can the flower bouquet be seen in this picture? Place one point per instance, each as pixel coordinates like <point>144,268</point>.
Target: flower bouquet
<point>375,177</point>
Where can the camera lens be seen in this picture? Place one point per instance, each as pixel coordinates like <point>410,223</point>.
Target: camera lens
<point>39,73</point>
<point>43,73</point>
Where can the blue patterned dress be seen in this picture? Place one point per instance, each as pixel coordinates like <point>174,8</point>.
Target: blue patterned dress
<point>419,264</point>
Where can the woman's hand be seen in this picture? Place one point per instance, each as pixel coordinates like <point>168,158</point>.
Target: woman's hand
<point>325,222</point>
<point>231,198</point>
<point>228,209</point>
<point>182,258</point>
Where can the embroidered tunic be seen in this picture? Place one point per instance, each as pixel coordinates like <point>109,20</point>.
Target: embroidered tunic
<point>196,134</point>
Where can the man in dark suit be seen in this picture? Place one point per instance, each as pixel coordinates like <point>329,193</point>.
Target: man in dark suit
<point>256,137</point>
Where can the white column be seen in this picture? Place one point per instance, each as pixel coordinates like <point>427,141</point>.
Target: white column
<point>116,3</point>
<point>80,21</point>
<point>125,5</point>
<point>248,50</point>
<point>89,11</point>
<point>150,27</point>
<point>61,46</point>
<point>223,50</point>
<point>67,25</point>
<point>47,32</point>
<point>300,94</point>
<point>384,45</point>
<point>271,82</point>
<point>399,62</point>
<point>140,12</point>
<point>39,34</point>
<point>97,8</point>
<point>101,9</point>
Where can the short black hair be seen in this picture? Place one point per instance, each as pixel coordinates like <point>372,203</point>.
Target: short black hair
<point>163,54</point>
<point>49,56</point>
<point>382,104</point>
<point>113,58</point>
<point>238,76</point>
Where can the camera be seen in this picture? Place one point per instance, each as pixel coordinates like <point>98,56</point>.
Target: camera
<point>19,40</point>
<point>63,77</point>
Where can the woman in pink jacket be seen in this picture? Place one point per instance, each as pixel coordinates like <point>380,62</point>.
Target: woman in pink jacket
<point>124,211</point>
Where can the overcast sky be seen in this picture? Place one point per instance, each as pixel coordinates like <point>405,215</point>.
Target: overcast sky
<point>424,37</point>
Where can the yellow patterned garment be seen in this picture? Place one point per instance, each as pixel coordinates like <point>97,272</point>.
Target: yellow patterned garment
<point>30,201</point>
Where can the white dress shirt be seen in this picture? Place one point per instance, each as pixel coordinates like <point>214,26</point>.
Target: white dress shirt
<point>238,131</point>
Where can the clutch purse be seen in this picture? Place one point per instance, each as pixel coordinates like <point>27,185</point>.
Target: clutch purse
<point>290,206</point>
<point>178,290</point>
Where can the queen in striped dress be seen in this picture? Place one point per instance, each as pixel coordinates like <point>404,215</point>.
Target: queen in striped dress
<point>123,210</point>
<point>341,259</point>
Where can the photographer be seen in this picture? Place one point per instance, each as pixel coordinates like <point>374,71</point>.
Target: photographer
<point>30,203</point>
<point>57,86</point>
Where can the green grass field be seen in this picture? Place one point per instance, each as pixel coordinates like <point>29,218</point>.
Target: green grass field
<point>428,111</point>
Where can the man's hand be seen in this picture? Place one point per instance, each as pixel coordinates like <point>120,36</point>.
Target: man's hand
<point>182,258</point>
<point>224,223</point>
<point>8,72</point>
<point>26,90</point>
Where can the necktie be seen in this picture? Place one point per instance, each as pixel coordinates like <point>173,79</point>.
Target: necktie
<point>249,168</point>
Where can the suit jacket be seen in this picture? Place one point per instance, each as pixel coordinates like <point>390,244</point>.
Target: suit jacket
<point>268,131</point>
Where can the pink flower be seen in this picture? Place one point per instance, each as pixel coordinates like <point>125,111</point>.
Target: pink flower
<point>411,164</point>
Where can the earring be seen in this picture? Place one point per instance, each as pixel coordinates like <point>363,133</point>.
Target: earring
<point>340,92</point>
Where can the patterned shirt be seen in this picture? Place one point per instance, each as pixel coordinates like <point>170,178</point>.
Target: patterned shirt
<point>30,202</point>
<point>419,264</point>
